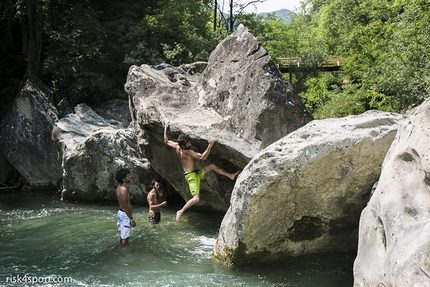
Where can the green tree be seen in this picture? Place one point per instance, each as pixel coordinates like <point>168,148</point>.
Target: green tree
<point>296,38</point>
<point>14,33</point>
<point>91,46</point>
<point>385,43</point>
<point>402,64</point>
<point>176,32</point>
<point>75,61</point>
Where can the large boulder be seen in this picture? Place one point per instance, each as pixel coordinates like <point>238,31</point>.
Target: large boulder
<point>93,150</point>
<point>239,98</point>
<point>25,139</point>
<point>304,193</point>
<point>245,87</point>
<point>76,127</point>
<point>393,245</point>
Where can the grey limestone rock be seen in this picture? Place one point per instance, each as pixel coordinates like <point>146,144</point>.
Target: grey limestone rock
<point>304,193</point>
<point>25,139</point>
<point>393,243</point>
<point>93,150</point>
<point>239,98</point>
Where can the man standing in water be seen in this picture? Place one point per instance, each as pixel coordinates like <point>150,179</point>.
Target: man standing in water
<point>154,215</point>
<point>192,175</point>
<point>125,218</point>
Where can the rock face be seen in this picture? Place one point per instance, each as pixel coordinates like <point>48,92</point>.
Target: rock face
<point>25,139</point>
<point>304,193</point>
<point>247,89</point>
<point>93,150</point>
<point>239,98</point>
<point>393,247</point>
<point>116,112</point>
<point>5,167</point>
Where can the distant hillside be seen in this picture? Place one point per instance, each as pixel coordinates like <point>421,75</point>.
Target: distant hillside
<point>284,13</point>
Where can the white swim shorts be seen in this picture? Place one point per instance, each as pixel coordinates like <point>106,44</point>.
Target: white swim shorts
<point>123,224</point>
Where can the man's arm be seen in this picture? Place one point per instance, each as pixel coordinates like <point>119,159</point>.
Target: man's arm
<point>206,153</point>
<point>166,138</point>
<point>164,203</point>
<point>201,156</point>
<point>151,199</point>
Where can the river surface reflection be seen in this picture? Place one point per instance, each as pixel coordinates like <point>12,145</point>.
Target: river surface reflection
<point>52,243</point>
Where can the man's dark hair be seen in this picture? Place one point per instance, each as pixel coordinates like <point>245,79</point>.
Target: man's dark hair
<point>182,140</point>
<point>121,174</point>
<point>154,181</point>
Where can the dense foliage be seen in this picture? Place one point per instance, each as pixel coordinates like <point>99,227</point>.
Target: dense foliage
<point>385,49</point>
<point>82,49</point>
<point>88,45</point>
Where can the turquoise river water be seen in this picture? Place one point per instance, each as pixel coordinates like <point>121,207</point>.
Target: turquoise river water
<point>47,242</point>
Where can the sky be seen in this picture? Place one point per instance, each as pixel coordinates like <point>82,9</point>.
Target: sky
<point>272,5</point>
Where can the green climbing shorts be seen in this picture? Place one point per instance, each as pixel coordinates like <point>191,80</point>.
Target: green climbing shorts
<point>193,179</point>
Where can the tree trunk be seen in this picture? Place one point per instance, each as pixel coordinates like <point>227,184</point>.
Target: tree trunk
<point>231,16</point>
<point>215,13</point>
<point>32,38</point>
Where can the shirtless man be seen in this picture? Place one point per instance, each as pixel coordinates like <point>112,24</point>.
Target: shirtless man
<point>192,175</point>
<point>125,218</point>
<point>154,215</point>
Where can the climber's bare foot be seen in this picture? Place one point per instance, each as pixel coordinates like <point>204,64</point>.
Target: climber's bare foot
<point>233,175</point>
<point>178,216</point>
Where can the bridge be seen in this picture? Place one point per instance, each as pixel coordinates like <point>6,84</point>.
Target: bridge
<point>288,65</point>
